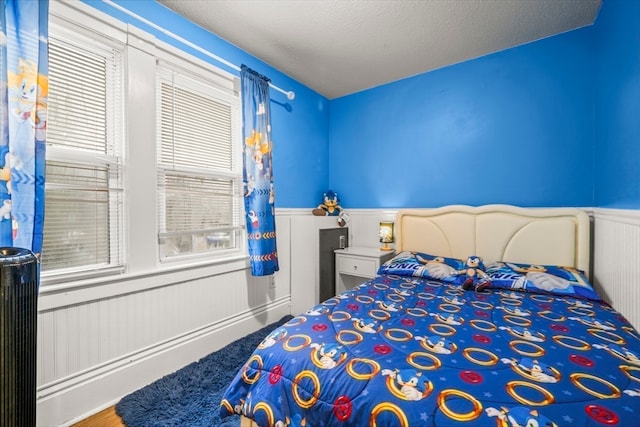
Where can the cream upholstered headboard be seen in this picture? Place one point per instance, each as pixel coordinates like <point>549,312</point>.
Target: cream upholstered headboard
<point>551,236</point>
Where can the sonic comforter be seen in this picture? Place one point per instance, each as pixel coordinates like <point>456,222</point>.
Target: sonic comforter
<point>407,351</point>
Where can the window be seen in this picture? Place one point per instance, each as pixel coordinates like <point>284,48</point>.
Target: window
<point>83,190</point>
<point>199,168</point>
<point>190,128</point>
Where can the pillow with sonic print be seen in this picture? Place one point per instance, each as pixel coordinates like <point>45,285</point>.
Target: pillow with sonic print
<point>553,279</point>
<point>420,264</point>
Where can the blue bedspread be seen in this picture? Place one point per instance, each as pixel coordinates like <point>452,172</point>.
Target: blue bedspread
<point>404,351</point>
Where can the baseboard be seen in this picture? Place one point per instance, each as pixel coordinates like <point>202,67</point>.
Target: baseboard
<point>71,400</point>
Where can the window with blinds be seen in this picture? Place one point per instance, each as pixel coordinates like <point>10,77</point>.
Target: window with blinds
<point>199,169</point>
<point>83,190</point>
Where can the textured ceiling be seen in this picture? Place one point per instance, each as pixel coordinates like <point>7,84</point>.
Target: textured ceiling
<point>338,47</point>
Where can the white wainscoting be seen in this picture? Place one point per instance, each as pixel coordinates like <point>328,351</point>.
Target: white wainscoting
<point>364,226</point>
<point>305,256</point>
<point>99,343</point>
<point>616,254</point>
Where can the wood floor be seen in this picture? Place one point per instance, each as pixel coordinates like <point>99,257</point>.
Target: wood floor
<point>106,418</point>
<point>109,418</point>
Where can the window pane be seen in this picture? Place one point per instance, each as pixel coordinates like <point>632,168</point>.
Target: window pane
<point>77,116</point>
<point>77,217</point>
<point>200,198</point>
<point>83,187</point>
<point>197,243</point>
<point>199,214</point>
<point>195,130</point>
<point>198,202</point>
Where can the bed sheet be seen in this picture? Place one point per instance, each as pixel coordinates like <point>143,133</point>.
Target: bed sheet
<point>403,351</point>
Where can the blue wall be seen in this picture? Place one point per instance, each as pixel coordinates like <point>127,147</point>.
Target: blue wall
<point>617,105</point>
<point>511,127</point>
<point>552,123</point>
<point>300,127</point>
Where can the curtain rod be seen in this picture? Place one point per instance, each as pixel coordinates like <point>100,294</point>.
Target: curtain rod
<point>290,94</point>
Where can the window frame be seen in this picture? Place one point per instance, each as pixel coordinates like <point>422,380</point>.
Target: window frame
<point>140,249</point>
<point>74,27</point>
<point>224,88</point>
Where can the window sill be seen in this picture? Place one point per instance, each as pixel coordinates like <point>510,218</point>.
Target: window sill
<point>80,291</point>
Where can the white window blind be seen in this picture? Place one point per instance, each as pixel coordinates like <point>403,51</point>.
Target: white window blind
<point>199,175</point>
<point>83,209</point>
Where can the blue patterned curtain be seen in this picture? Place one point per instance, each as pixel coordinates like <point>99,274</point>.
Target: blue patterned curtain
<point>24,68</point>
<point>258,173</point>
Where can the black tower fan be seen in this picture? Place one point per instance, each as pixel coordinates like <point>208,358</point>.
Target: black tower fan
<point>18,317</point>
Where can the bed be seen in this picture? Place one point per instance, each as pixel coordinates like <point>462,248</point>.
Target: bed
<point>412,347</point>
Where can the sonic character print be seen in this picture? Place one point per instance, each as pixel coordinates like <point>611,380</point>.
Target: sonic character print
<point>476,278</point>
<point>330,206</point>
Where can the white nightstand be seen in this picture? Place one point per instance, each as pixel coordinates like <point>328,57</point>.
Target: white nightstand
<point>356,265</point>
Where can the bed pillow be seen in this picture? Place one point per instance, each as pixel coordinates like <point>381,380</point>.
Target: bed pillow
<point>551,279</point>
<point>420,264</point>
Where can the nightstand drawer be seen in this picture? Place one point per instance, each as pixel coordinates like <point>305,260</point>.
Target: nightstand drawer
<point>357,266</point>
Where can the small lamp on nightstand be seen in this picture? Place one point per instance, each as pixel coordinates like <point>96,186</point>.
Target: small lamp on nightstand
<point>386,235</point>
